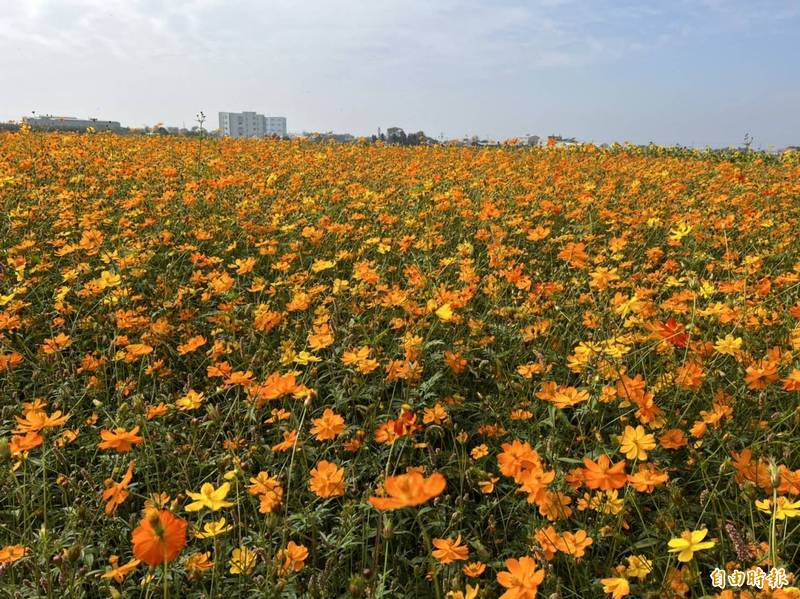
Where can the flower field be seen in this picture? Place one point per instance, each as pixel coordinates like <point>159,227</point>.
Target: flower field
<point>282,369</point>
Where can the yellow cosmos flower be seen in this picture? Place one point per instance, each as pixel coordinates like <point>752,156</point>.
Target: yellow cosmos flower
<point>213,529</point>
<point>191,401</point>
<point>320,265</point>
<point>243,560</point>
<point>213,499</point>
<point>634,443</point>
<point>784,508</point>
<point>617,587</point>
<point>471,592</point>
<point>445,313</point>
<point>728,345</point>
<point>689,542</point>
<point>304,358</point>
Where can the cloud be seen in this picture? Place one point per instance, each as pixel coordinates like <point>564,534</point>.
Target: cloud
<point>481,35</point>
<point>459,65</point>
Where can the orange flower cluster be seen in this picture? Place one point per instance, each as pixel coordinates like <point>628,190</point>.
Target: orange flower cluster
<point>409,490</point>
<point>593,353</point>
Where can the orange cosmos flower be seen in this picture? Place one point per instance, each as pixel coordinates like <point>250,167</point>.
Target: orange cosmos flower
<point>517,457</point>
<point>156,411</point>
<point>522,579</point>
<point>116,493</point>
<point>160,537</point>
<point>487,486</point>
<point>408,490</point>
<point>120,439</point>
<point>243,378</point>
<point>647,478</point>
<point>57,343</point>
<point>197,563</point>
<point>479,451</point>
<point>274,387</point>
<point>11,553</point>
<point>689,376</point>
<point>36,420</point>
<point>474,569</point>
<point>574,254</point>
<point>294,557</point>
<point>26,442</point>
<point>137,350</point>
<point>602,475</point>
<point>565,397</point>
<point>328,427</point>
<point>760,374</point>
<point>546,538</point>
<point>289,440</point>
<point>792,382</point>
<point>117,572</point>
<point>191,345</point>
<point>673,332</point>
<point>455,361</point>
<point>327,480</point>
<point>573,544</point>
<point>449,550</point>
<point>435,415</point>
<point>269,491</point>
<point>674,438</point>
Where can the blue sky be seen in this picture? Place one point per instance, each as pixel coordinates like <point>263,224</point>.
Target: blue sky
<point>701,72</point>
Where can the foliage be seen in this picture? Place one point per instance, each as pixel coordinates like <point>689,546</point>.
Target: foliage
<point>386,371</point>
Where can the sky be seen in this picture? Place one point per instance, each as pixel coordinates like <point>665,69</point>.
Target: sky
<point>689,72</point>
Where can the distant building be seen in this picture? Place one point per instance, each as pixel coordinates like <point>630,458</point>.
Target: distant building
<point>561,142</point>
<point>251,124</point>
<point>531,140</point>
<point>70,123</point>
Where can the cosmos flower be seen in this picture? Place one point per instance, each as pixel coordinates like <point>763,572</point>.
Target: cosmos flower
<point>408,490</point>
<point>209,497</point>
<point>521,578</point>
<point>327,480</point>
<point>160,537</point>
<point>120,439</point>
<point>688,543</point>
<point>450,550</point>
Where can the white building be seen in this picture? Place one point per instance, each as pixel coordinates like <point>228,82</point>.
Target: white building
<point>70,123</point>
<point>251,124</point>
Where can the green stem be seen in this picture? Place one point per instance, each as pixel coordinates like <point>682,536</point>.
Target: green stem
<point>429,547</point>
<point>773,550</point>
<point>166,581</point>
<point>44,517</point>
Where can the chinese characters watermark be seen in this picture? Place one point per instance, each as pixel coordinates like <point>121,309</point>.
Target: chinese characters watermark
<point>776,578</point>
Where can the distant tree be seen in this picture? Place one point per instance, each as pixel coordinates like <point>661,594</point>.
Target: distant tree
<point>422,139</point>
<point>395,135</point>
